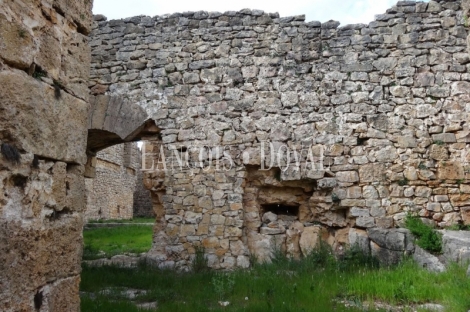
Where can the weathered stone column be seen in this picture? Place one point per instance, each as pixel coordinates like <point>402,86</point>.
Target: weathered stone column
<point>44,72</point>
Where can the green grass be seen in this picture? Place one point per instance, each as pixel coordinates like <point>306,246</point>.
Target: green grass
<point>135,220</point>
<point>102,303</point>
<point>427,238</point>
<point>458,227</point>
<point>315,283</point>
<point>108,242</point>
<point>409,284</point>
<point>266,288</point>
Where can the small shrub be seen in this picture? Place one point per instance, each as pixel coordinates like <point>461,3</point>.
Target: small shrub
<point>439,142</point>
<point>427,237</point>
<point>39,73</point>
<point>458,227</point>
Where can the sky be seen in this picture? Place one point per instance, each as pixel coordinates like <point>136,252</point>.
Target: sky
<point>345,11</point>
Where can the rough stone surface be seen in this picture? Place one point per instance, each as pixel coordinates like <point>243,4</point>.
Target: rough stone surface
<point>427,260</point>
<point>368,104</point>
<point>142,206</point>
<point>456,246</point>
<point>44,73</point>
<point>110,194</point>
<point>374,118</point>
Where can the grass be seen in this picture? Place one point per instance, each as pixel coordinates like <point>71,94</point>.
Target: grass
<point>427,238</point>
<point>408,284</point>
<point>458,227</point>
<point>135,220</point>
<point>102,303</point>
<point>315,283</point>
<point>264,289</point>
<point>108,242</point>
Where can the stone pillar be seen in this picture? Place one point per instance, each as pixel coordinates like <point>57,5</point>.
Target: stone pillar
<point>44,70</point>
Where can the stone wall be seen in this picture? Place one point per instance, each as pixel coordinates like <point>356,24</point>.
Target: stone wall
<point>374,118</point>
<point>142,198</point>
<point>110,194</point>
<point>44,72</point>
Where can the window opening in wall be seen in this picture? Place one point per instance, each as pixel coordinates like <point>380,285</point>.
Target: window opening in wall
<point>281,209</point>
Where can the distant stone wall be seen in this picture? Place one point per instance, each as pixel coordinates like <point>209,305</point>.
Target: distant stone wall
<point>374,118</point>
<point>44,72</point>
<point>110,195</point>
<point>142,199</point>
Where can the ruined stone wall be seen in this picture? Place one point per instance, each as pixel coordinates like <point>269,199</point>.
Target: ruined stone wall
<point>380,112</point>
<point>44,72</point>
<point>110,194</point>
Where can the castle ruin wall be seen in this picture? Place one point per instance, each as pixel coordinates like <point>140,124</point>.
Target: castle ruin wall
<point>374,119</point>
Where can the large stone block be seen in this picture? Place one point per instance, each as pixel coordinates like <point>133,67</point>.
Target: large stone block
<point>372,172</point>
<point>309,239</point>
<point>456,246</point>
<point>39,122</point>
<point>18,47</point>
<point>79,11</point>
<point>392,239</point>
<point>36,254</point>
<point>451,170</point>
<point>360,239</point>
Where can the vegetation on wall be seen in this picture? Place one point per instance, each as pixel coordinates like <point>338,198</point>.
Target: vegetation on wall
<point>426,236</point>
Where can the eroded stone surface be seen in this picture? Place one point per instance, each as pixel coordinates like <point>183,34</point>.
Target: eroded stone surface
<point>44,71</point>
<point>377,110</point>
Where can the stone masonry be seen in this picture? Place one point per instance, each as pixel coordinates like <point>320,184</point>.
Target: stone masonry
<point>110,194</point>
<point>44,73</point>
<point>382,108</point>
<point>142,198</point>
<point>371,120</point>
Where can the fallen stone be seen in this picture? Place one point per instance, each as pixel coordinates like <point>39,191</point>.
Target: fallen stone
<point>456,246</point>
<point>427,260</point>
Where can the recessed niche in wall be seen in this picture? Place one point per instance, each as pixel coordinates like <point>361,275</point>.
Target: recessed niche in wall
<point>280,209</point>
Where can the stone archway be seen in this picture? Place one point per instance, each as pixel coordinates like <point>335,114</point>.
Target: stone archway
<point>115,120</point>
